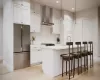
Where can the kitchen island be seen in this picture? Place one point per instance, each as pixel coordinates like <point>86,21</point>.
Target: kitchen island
<point>51,60</point>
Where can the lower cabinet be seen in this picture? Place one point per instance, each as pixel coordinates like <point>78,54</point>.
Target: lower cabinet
<point>35,56</point>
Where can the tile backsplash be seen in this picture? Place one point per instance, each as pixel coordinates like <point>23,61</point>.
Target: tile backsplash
<point>45,36</point>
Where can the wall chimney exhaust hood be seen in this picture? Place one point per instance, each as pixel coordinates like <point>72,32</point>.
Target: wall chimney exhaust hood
<point>47,13</point>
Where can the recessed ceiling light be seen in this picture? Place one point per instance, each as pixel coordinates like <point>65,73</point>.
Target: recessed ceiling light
<point>73,8</point>
<point>57,1</point>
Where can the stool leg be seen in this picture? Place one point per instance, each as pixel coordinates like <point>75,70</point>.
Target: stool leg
<point>66,67</point>
<point>69,69</point>
<point>90,61</point>
<point>62,67</point>
<point>74,66</point>
<point>84,63</point>
<point>71,65</point>
<point>78,66</point>
<point>87,62</point>
<point>81,64</point>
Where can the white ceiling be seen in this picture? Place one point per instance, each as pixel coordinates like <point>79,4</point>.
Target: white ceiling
<point>69,4</point>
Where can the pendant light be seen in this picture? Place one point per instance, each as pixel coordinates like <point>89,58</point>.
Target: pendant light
<point>75,12</point>
<point>61,10</point>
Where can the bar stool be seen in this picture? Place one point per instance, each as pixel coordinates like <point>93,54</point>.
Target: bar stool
<point>85,55</point>
<point>68,57</point>
<point>90,53</point>
<point>77,55</point>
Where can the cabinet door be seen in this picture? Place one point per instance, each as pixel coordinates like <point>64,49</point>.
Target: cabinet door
<point>17,2</point>
<point>35,56</point>
<point>56,21</point>
<point>26,3</point>
<point>17,14</point>
<point>35,22</point>
<point>26,15</point>
<point>22,12</point>
<point>35,18</point>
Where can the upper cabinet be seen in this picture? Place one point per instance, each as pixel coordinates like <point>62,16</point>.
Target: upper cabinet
<point>56,21</point>
<point>21,11</point>
<point>35,17</point>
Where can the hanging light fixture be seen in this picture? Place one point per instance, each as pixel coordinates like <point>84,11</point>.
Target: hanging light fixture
<point>61,10</point>
<point>75,12</point>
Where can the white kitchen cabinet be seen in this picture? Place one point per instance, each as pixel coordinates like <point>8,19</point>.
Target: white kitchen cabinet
<point>25,3</point>
<point>26,15</point>
<point>35,56</point>
<point>21,12</point>
<point>56,21</point>
<point>17,14</point>
<point>35,18</point>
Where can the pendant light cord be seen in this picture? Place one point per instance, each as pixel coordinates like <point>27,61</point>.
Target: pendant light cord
<point>75,11</point>
<point>61,9</point>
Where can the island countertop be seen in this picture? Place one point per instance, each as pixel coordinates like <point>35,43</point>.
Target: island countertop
<point>56,47</point>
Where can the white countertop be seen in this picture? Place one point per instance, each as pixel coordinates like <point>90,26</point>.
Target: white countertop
<point>56,47</point>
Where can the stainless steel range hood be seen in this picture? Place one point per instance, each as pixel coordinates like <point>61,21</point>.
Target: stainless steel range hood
<point>47,13</point>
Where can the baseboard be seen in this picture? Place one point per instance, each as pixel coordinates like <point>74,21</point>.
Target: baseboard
<point>34,64</point>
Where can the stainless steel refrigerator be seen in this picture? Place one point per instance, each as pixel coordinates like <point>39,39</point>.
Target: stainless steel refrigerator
<point>21,46</point>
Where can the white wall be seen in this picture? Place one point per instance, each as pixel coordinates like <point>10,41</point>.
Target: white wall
<point>8,34</point>
<point>1,26</point>
<point>45,36</point>
<point>88,23</point>
<point>66,27</point>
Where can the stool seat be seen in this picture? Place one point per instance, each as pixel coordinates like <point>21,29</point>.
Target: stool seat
<point>66,57</point>
<point>76,55</point>
<point>84,53</point>
<point>90,53</point>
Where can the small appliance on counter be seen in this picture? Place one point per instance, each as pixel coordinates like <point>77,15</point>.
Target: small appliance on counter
<point>48,44</point>
<point>58,40</point>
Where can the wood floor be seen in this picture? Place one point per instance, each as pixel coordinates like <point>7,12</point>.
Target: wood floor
<point>35,73</point>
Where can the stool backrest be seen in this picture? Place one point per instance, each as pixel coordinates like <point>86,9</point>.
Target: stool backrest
<point>85,46</point>
<point>78,46</point>
<point>91,46</point>
<point>70,45</point>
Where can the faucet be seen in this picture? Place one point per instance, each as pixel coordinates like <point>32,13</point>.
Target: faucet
<point>69,37</point>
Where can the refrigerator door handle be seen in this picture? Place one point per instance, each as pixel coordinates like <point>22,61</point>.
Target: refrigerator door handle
<point>21,49</point>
